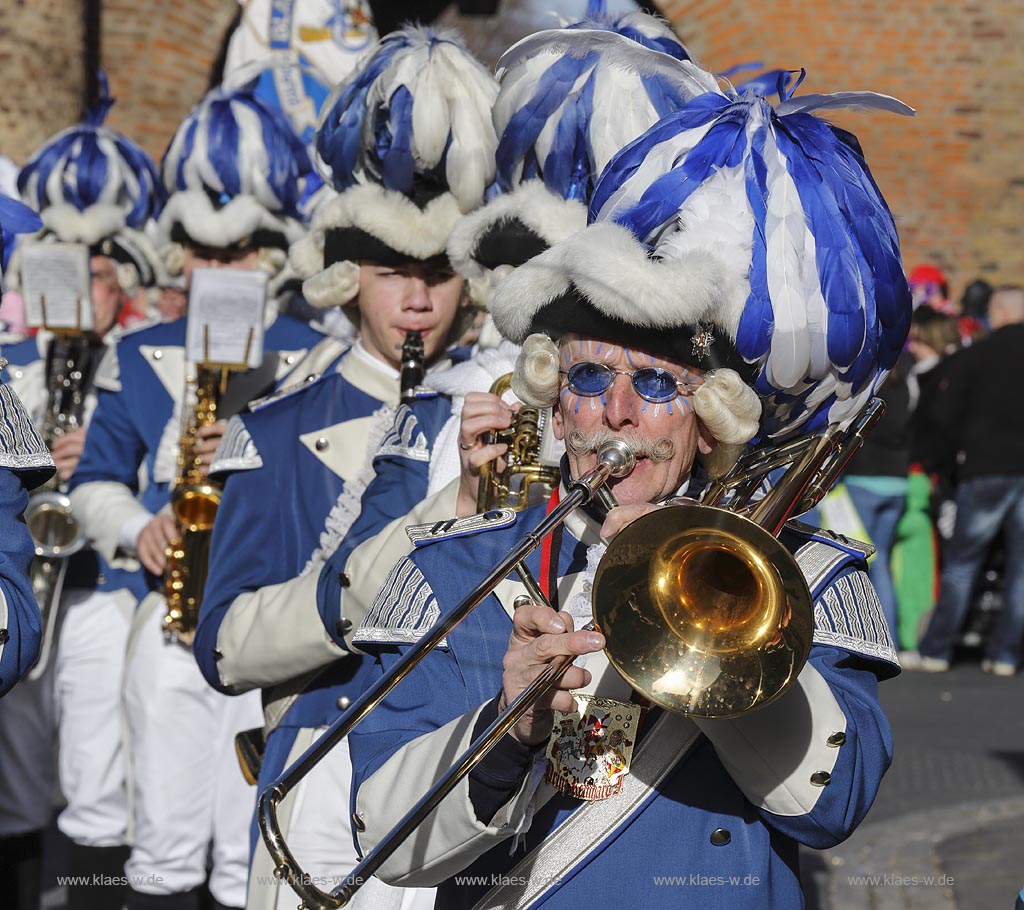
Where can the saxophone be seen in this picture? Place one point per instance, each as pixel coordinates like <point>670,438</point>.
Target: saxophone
<point>194,502</point>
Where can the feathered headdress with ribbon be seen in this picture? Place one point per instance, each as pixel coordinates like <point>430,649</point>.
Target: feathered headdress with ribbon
<point>407,143</point>
<point>235,171</point>
<point>569,99</point>
<point>95,186</point>
<point>736,234</point>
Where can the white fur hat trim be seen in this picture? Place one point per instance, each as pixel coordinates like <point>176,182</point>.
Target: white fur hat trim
<point>615,272</point>
<point>547,214</point>
<point>239,218</point>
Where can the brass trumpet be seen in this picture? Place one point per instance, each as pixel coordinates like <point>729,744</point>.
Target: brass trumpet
<point>703,610</point>
<point>524,481</point>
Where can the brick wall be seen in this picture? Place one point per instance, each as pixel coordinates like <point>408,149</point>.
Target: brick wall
<point>954,174</point>
<point>158,56</point>
<point>43,70</point>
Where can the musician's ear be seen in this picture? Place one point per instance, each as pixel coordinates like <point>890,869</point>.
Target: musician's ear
<point>557,424</point>
<point>706,443</point>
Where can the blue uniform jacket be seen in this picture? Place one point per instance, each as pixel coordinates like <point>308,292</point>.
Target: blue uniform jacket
<point>24,464</point>
<point>87,568</point>
<point>134,407</point>
<point>274,508</point>
<point>401,477</point>
<point>670,833</point>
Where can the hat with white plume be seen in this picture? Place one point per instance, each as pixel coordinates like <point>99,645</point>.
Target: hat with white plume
<point>733,234</point>
<point>406,142</point>
<point>569,99</point>
<point>235,171</point>
<point>93,185</point>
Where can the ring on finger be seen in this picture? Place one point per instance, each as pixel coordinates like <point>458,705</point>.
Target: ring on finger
<point>466,448</point>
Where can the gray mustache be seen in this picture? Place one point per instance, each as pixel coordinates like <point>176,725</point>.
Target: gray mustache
<point>660,449</point>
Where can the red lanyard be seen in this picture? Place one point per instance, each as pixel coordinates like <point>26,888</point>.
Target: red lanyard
<point>548,575</point>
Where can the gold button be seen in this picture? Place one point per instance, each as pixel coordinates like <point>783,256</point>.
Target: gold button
<point>344,702</point>
<point>837,739</point>
<point>157,355</point>
<point>357,822</point>
<point>821,778</point>
<point>322,444</point>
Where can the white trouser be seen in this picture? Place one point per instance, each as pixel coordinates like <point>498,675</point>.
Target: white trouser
<point>88,672</point>
<point>186,789</point>
<point>27,756</point>
<point>316,825</point>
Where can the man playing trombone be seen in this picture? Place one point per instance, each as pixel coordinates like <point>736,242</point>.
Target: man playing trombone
<point>740,281</point>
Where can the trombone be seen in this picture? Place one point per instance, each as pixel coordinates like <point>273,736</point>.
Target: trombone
<point>727,596</point>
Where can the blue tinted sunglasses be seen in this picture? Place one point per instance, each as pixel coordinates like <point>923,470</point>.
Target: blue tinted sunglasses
<point>650,383</point>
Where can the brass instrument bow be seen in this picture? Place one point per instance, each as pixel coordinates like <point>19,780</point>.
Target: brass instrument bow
<point>728,598</point>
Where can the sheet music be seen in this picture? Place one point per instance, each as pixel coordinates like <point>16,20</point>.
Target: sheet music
<point>225,317</point>
<point>56,284</point>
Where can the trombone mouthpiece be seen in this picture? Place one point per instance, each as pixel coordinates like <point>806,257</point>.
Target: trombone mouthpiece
<point>617,456</point>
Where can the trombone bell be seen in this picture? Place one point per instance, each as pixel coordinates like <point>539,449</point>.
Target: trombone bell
<point>704,612</point>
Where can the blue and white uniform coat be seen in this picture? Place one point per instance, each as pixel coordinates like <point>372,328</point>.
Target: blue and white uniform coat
<point>415,481</point>
<point>24,464</point>
<point>285,466</point>
<point>26,373</point>
<point>136,426</point>
<point>750,776</point>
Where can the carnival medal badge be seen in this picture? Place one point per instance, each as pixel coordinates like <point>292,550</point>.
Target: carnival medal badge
<point>590,750</point>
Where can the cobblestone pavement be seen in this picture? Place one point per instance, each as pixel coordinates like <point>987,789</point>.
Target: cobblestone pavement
<point>947,829</point>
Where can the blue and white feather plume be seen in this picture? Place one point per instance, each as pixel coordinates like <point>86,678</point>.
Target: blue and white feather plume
<point>569,99</point>
<point>407,143</point>
<point>93,185</point>
<point>744,235</point>
<point>235,171</point>
<point>15,218</point>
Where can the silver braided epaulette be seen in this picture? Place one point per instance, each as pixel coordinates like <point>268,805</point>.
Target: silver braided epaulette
<point>460,527</point>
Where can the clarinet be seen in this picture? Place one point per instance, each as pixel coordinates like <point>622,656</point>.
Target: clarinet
<point>413,369</point>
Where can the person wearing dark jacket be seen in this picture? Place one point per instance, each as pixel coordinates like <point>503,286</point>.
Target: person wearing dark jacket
<point>876,482</point>
<point>986,426</point>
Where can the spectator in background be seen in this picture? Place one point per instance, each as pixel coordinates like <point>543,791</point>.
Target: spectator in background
<point>876,482</point>
<point>929,287</point>
<point>933,336</point>
<point>974,309</point>
<point>982,419</point>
